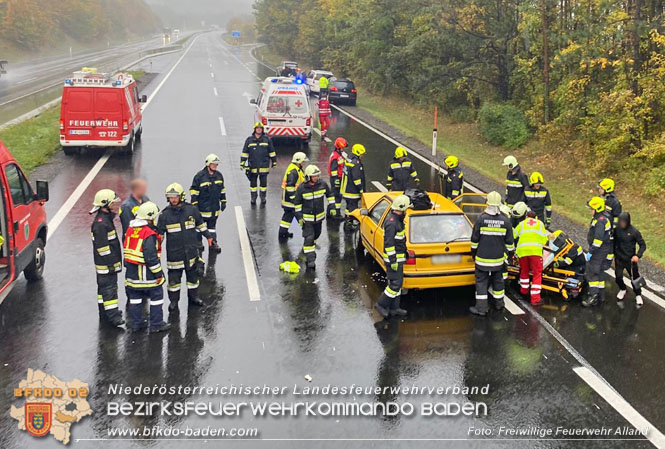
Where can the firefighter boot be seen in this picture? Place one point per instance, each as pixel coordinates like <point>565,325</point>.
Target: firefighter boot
<point>163,327</point>
<point>174,298</point>
<point>114,318</point>
<point>193,297</point>
<point>590,300</point>
<point>383,305</point>
<point>395,309</point>
<point>263,197</point>
<point>102,312</point>
<point>215,247</point>
<point>253,196</point>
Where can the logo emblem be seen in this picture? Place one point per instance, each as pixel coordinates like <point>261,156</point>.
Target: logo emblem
<point>38,418</point>
<point>298,103</point>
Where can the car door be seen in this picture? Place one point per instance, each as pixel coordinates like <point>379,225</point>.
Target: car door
<point>371,226</point>
<point>21,200</point>
<point>6,260</point>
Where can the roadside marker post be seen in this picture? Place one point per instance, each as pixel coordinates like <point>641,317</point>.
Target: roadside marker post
<point>434,131</point>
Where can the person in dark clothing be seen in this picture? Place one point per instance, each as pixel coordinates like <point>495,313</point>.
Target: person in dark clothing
<point>600,243</point>
<point>208,193</point>
<point>257,158</point>
<point>516,182</point>
<point>128,209</point>
<point>401,172</point>
<point>454,179</point>
<point>626,237</point>
<point>538,198</point>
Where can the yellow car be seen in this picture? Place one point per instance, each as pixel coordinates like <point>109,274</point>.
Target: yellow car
<point>438,240</point>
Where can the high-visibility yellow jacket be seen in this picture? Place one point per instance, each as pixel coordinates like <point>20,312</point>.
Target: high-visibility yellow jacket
<point>531,237</point>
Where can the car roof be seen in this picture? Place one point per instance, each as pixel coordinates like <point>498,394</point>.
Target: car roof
<point>441,204</point>
<point>343,80</point>
<point>322,71</point>
<point>5,155</point>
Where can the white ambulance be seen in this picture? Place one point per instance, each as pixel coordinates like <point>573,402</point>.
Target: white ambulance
<point>284,109</point>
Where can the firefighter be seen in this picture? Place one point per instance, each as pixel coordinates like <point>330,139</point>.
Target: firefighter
<point>573,259</point>
<point>394,256</point>
<point>516,181</point>
<point>453,180</point>
<point>336,170</point>
<point>353,182</point>
<point>139,189</point>
<point>626,236</point>
<point>600,242</point>
<point>181,223</point>
<point>491,244</point>
<point>325,113</point>
<point>311,211</point>
<point>612,203</point>
<point>107,256</point>
<point>538,198</point>
<point>293,177</point>
<point>401,171</point>
<point>208,193</point>
<point>530,238</point>
<point>144,276</point>
<point>258,156</point>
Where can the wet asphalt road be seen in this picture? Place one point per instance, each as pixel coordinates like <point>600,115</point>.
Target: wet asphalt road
<point>319,323</point>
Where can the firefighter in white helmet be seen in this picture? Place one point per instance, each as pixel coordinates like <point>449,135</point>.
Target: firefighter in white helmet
<point>293,177</point>
<point>208,193</point>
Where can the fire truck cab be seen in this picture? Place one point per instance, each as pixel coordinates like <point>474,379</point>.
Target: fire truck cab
<point>23,225</point>
<point>100,110</point>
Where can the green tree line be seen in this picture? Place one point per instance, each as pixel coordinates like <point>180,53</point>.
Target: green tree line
<point>585,75</point>
<point>35,24</point>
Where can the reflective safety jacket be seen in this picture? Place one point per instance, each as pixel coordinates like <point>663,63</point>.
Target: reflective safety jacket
<point>530,236</point>
<point>324,108</point>
<point>453,183</point>
<point>394,239</point>
<point>400,174</point>
<point>574,257</point>
<point>293,177</point>
<point>353,178</point>
<point>323,82</point>
<point>258,154</point>
<point>540,202</point>
<point>613,208</point>
<point>105,244</point>
<point>128,210</point>
<point>599,236</point>
<point>309,201</point>
<point>516,184</point>
<point>491,239</point>
<point>208,192</point>
<point>336,168</point>
<point>182,225</point>
<point>142,253</point>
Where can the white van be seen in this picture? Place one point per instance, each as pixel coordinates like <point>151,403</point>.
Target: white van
<point>284,109</point>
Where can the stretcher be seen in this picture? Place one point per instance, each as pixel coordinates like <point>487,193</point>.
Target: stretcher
<point>565,282</point>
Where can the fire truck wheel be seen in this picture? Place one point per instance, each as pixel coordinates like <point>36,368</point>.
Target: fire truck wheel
<point>129,148</point>
<point>35,271</point>
<point>70,151</point>
<point>139,133</point>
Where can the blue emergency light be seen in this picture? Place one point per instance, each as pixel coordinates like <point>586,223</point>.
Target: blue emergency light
<point>117,83</point>
<point>274,80</point>
<point>298,81</point>
<point>68,81</point>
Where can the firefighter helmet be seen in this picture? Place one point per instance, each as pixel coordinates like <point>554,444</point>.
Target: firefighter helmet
<point>494,199</point>
<point>103,198</point>
<point>311,170</point>
<point>258,125</point>
<point>519,210</point>
<point>212,159</point>
<point>175,190</point>
<point>505,210</point>
<point>536,178</point>
<point>402,202</point>
<point>510,162</point>
<point>358,149</point>
<point>596,203</point>
<point>299,157</point>
<point>607,185</point>
<point>341,143</point>
<point>451,161</point>
<point>147,211</point>
<point>400,152</point>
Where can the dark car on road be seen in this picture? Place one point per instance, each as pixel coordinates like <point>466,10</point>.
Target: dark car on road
<point>342,91</point>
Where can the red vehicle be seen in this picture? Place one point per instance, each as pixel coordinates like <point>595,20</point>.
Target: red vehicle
<point>23,224</point>
<point>100,110</point>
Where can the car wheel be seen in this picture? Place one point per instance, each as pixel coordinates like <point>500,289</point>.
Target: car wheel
<point>356,241</point>
<point>128,149</point>
<point>35,271</point>
<point>70,151</point>
<point>139,133</point>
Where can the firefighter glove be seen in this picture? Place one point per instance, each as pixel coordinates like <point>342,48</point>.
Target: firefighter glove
<point>301,222</point>
<point>394,266</point>
<point>223,206</point>
<point>210,241</point>
<point>333,212</point>
<point>588,256</point>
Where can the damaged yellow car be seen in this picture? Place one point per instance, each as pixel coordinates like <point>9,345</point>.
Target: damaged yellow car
<point>438,240</point>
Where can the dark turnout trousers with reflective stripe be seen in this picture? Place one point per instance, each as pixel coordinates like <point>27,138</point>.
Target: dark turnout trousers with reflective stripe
<point>175,282</point>
<point>311,231</point>
<point>287,218</point>
<point>210,219</point>
<point>489,282</point>
<point>107,296</point>
<point>135,298</point>
<point>258,181</point>
<point>390,298</point>
<point>595,276</point>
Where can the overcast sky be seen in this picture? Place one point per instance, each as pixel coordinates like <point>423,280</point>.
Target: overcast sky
<point>189,13</point>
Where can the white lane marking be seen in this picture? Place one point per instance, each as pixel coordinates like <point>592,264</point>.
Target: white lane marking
<point>379,186</point>
<point>512,307</point>
<point>212,75</point>
<point>226,62</point>
<point>214,89</point>
<point>645,293</point>
<point>222,127</point>
<point>621,405</point>
<point>27,81</point>
<point>247,259</point>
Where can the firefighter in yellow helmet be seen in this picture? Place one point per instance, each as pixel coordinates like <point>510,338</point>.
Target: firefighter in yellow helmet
<point>401,171</point>
<point>257,158</point>
<point>293,177</point>
<point>612,203</point>
<point>208,193</point>
<point>394,256</point>
<point>453,179</point>
<point>353,182</point>
<point>538,198</point>
<point>600,242</point>
<point>107,256</point>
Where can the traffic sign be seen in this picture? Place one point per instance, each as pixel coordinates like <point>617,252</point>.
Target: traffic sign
<point>235,34</point>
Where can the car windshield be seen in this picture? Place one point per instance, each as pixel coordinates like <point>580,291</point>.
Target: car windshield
<point>287,104</point>
<point>439,228</point>
<point>344,85</point>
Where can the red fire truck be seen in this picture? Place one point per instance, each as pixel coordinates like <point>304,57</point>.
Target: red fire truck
<point>100,110</point>
<point>23,224</point>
